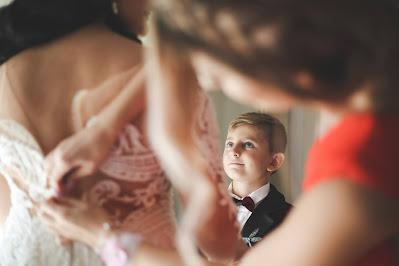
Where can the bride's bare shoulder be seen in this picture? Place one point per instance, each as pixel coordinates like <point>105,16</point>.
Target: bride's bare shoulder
<point>99,42</point>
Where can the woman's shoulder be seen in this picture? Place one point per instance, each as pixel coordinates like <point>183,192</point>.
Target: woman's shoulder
<point>97,41</point>
<point>363,148</point>
<point>88,56</point>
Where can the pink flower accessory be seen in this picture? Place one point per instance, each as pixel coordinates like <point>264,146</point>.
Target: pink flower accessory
<point>117,251</point>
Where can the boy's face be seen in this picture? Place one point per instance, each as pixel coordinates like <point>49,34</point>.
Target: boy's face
<point>246,155</point>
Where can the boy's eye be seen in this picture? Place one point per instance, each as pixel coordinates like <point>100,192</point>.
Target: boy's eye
<point>248,145</point>
<point>229,144</point>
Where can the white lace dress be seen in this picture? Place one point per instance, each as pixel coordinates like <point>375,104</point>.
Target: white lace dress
<point>26,240</point>
<point>133,188</point>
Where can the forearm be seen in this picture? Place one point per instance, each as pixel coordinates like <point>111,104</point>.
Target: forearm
<point>149,255</point>
<point>4,201</point>
<point>218,236</point>
<point>173,116</point>
<point>125,107</point>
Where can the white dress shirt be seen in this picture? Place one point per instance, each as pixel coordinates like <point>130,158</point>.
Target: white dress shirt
<point>257,196</point>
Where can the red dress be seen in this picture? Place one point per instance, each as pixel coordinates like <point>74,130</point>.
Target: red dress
<point>363,148</point>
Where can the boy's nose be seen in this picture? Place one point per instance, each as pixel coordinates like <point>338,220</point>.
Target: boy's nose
<point>236,152</point>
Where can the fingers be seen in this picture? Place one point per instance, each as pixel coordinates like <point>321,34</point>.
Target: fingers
<point>56,165</point>
<point>60,209</point>
<point>52,212</point>
<point>60,239</point>
<point>64,205</point>
<point>46,217</point>
<point>62,172</point>
<point>70,203</point>
<point>83,168</point>
<point>67,184</point>
<point>63,241</point>
<point>72,157</point>
<point>51,222</point>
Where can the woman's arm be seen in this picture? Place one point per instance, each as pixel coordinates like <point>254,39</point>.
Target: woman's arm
<point>81,154</point>
<point>173,101</point>
<point>4,201</point>
<point>114,97</point>
<point>150,255</point>
<point>113,113</point>
<point>73,219</point>
<point>333,224</point>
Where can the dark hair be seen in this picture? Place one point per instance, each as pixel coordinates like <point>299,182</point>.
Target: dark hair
<point>28,23</point>
<point>342,44</point>
<point>273,129</point>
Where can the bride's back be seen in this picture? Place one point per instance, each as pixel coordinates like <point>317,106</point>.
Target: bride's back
<point>41,82</point>
<point>38,79</point>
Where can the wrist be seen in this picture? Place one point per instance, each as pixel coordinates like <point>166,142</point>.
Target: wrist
<point>108,131</point>
<point>118,250</point>
<point>100,235</point>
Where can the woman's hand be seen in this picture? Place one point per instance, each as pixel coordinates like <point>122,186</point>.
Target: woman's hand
<point>73,219</point>
<point>78,156</point>
<point>115,103</point>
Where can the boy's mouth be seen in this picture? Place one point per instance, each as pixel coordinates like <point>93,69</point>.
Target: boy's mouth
<point>235,164</point>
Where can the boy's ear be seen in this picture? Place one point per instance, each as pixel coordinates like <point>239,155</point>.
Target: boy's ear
<point>277,162</point>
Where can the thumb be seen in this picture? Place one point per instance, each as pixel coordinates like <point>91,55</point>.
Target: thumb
<point>69,180</point>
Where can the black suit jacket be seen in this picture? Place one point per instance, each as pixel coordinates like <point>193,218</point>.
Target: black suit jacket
<point>268,214</point>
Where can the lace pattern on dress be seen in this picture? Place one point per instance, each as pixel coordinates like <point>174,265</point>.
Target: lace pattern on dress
<point>21,156</point>
<point>131,162</point>
<point>135,188</point>
<point>26,240</point>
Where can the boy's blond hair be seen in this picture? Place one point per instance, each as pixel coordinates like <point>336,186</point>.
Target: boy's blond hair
<point>272,127</point>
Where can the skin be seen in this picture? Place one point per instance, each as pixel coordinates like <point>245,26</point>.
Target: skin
<point>370,216</point>
<point>35,104</point>
<point>265,96</point>
<point>124,99</point>
<point>374,215</point>
<point>177,149</point>
<point>81,152</point>
<point>247,159</point>
<point>4,201</point>
<point>311,234</point>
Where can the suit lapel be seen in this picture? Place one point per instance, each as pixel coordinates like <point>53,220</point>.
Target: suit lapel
<point>261,219</point>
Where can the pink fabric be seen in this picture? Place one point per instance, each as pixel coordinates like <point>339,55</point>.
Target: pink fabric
<point>113,254</point>
<point>118,251</point>
<point>135,190</point>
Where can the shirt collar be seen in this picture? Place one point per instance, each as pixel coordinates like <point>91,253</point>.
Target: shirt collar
<point>257,195</point>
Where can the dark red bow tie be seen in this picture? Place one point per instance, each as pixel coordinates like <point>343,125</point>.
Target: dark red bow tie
<point>247,202</point>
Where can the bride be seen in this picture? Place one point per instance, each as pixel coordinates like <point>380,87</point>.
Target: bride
<point>48,51</point>
<point>49,61</point>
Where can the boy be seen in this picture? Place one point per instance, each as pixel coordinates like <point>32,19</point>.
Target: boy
<point>254,150</point>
